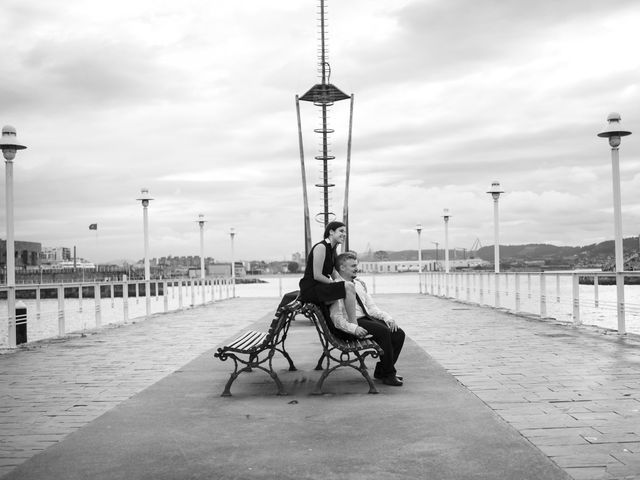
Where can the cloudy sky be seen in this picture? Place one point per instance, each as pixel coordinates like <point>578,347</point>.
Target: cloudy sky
<point>195,100</point>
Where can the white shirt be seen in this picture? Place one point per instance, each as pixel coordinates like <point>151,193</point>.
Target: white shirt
<point>339,315</point>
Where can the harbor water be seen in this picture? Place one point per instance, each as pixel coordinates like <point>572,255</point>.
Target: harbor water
<point>80,314</point>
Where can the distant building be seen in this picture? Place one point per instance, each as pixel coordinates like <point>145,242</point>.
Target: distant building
<point>224,269</point>
<point>50,255</point>
<point>412,265</point>
<point>26,253</point>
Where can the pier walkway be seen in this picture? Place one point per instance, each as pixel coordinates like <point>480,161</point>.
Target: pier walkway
<point>487,395</point>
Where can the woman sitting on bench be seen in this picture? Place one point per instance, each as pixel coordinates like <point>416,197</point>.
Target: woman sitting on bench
<point>321,283</point>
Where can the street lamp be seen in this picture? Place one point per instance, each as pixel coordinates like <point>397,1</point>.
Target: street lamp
<point>495,193</point>
<point>9,145</point>
<point>446,217</point>
<point>614,133</point>
<point>232,234</point>
<point>419,230</point>
<point>201,221</point>
<point>145,199</point>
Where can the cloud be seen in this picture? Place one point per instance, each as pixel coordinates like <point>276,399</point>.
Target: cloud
<point>196,102</point>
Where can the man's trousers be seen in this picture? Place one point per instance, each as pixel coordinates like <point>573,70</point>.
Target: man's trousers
<point>390,342</point>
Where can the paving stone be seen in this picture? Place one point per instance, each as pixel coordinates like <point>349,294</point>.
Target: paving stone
<point>589,473</point>
<point>586,460</point>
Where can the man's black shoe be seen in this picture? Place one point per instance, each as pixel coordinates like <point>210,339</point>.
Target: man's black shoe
<point>392,380</point>
<point>379,376</point>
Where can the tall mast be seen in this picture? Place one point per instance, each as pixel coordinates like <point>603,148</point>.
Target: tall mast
<point>323,95</point>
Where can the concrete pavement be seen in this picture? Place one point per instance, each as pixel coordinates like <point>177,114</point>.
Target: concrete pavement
<point>142,401</point>
<point>572,392</point>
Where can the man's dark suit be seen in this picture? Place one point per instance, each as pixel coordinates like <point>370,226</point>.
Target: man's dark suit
<point>390,342</point>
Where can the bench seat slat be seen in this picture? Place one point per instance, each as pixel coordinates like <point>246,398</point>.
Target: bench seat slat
<point>249,340</point>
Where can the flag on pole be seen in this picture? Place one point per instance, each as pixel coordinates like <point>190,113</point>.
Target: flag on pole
<point>93,226</point>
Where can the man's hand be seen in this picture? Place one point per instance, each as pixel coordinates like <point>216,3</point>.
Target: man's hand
<point>361,332</point>
<point>393,326</point>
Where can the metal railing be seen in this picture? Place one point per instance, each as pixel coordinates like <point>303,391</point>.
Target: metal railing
<point>56,309</point>
<point>561,295</point>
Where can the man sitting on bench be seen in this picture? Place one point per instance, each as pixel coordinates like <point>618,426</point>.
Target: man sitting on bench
<point>371,321</point>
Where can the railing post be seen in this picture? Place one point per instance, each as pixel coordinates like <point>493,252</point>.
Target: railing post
<point>165,295</point>
<point>543,295</point>
<point>517,287</point>
<point>80,298</point>
<point>193,292</point>
<point>506,284</point>
<point>575,283</point>
<point>622,329</point>
<point>61,325</point>
<point>97,296</point>
<point>596,301</point>
<point>125,300</point>
<point>497,290</point>
<point>529,285</point>
<point>468,278</point>
<point>38,305</point>
<point>180,294</point>
<point>280,286</point>
<point>557,288</point>
<point>481,289</point>
<point>137,284</point>
<point>112,295</point>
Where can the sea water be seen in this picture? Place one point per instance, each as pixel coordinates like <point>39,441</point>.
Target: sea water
<point>80,314</point>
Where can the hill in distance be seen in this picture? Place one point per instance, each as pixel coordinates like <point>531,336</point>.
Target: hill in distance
<point>527,252</point>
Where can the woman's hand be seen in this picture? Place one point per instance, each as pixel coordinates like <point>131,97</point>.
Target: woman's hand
<point>361,332</point>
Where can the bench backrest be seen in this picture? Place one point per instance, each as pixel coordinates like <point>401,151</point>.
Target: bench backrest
<point>321,321</point>
<point>280,322</point>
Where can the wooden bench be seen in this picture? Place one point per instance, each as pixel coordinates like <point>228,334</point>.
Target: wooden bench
<point>255,349</point>
<point>343,353</point>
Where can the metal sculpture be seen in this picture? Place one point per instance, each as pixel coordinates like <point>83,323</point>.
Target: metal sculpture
<point>323,95</point>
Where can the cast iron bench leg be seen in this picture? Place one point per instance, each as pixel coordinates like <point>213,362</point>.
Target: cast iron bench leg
<point>227,387</point>
<point>319,365</point>
<point>318,388</point>
<point>292,367</point>
<point>281,390</point>
<point>365,374</point>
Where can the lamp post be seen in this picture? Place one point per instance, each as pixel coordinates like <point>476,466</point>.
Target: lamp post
<point>419,230</point>
<point>614,133</point>
<point>145,199</point>
<point>201,221</point>
<point>9,145</point>
<point>232,234</point>
<point>495,193</point>
<point>446,217</point>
